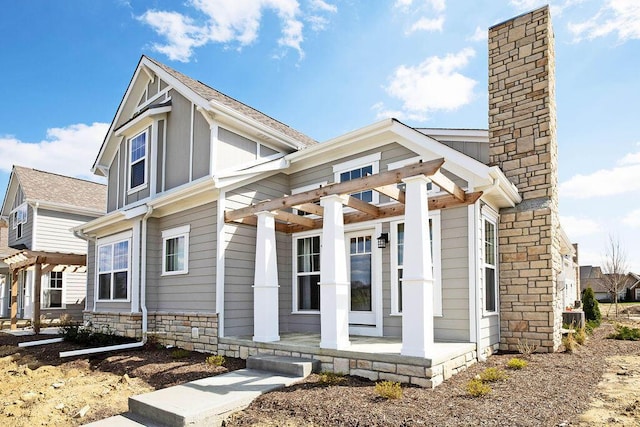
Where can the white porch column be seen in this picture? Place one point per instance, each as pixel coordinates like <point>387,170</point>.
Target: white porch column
<point>265,285</point>
<point>334,282</point>
<point>417,281</point>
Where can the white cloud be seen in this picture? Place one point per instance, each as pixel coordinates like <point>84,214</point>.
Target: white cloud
<point>632,219</point>
<point>68,151</point>
<point>623,178</point>
<point>621,17</point>
<point>434,85</point>
<point>426,24</point>
<point>231,21</point>
<point>527,4</point>
<point>480,35</point>
<point>577,227</point>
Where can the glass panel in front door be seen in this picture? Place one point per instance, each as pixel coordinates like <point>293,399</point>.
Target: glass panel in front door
<point>360,262</point>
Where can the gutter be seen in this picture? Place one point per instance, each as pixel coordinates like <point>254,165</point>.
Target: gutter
<point>80,235</point>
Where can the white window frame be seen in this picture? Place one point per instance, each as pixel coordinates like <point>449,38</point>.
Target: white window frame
<point>294,275</point>
<point>433,190</point>
<point>144,158</point>
<point>436,259</point>
<point>112,240</point>
<point>490,216</point>
<point>48,287</point>
<point>20,215</point>
<point>372,160</point>
<point>176,233</point>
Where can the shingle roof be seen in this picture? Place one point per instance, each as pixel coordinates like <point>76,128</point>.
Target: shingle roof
<point>50,187</point>
<point>211,94</point>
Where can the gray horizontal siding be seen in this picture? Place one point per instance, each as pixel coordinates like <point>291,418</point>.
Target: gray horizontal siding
<point>54,232</point>
<point>196,290</point>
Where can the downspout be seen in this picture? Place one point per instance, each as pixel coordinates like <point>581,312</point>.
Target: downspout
<point>476,213</point>
<point>143,274</point>
<point>80,235</point>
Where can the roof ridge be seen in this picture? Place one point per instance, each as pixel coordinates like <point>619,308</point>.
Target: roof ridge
<point>58,174</point>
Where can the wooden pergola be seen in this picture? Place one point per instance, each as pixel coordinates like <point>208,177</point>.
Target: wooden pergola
<point>384,183</point>
<point>42,262</point>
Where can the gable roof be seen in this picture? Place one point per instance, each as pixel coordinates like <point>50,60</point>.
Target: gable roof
<point>51,188</point>
<point>211,94</point>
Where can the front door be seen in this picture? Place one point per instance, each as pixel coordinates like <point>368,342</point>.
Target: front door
<point>362,296</point>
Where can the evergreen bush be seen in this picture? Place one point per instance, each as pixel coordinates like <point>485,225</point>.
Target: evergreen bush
<point>591,307</point>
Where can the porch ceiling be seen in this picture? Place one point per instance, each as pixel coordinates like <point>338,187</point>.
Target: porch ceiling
<point>383,182</point>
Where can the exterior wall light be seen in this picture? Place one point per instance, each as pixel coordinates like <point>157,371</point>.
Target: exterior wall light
<point>383,240</point>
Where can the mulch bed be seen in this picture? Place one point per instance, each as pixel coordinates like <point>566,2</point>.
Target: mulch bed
<point>553,390</point>
<point>153,364</point>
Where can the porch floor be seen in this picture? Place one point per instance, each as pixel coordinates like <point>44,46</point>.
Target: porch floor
<point>385,349</point>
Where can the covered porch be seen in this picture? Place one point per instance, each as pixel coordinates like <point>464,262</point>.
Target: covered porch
<point>332,207</point>
<point>375,358</point>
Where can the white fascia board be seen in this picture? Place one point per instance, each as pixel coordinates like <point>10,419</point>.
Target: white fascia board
<point>190,189</point>
<point>264,166</point>
<point>141,121</point>
<point>507,187</point>
<point>8,195</point>
<point>471,135</point>
<point>565,242</point>
<point>62,207</point>
<point>264,132</point>
<point>104,221</point>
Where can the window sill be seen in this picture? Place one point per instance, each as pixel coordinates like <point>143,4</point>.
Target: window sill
<point>113,300</point>
<point>490,314</point>
<point>174,273</point>
<point>400,315</point>
<point>136,189</point>
<point>306,312</point>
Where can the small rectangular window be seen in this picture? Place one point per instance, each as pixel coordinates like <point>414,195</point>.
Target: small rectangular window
<point>19,219</point>
<point>52,291</point>
<point>308,272</point>
<point>365,196</point>
<point>175,250</point>
<point>490,279</point>
<point>138,160</point>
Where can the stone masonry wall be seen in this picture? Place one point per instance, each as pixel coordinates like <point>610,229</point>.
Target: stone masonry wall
<point>191,331</point>
<point>522,132</point>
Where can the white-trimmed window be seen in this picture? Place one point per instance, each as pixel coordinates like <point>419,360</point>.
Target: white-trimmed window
<point>113,268</point>
<point>52,290</point>
<point>307,273</point>
<point>138,161</point>
<point>358,168</point>
<point>19,219</point>
<point>490,256</point>
<point>305,189</point>
<point>397,263</point>
<point>431,187</point>
<point>175,250</point>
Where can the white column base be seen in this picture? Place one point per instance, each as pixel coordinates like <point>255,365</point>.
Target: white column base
<point>417,317</point>
<point>334,322</point>
<point>265,316</point>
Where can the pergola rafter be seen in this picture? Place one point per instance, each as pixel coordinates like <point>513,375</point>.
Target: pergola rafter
<point>384,183</point>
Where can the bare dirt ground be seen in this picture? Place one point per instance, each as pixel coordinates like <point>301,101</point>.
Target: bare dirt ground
<point>597,385</point>
<point>40,389</point>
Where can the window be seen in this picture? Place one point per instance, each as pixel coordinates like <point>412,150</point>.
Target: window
<point>19,219</point>
<point>307,277</point>
<point>397,263</point>
<point>490,277</point>
<point>138,160</point>
<point>52,291</point>
<point>113,270</point>
<point>175,250</point>
<point>359,168</point>
<point>304,189</point>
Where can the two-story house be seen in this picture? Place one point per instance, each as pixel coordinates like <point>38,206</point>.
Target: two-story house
<point>229,231</point>
<point>42,208</point>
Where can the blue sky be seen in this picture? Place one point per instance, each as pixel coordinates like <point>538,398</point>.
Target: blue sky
<point>328,67</point>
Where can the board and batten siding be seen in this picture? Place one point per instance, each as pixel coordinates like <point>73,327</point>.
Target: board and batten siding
<point>177,145</point>
<point>240,250</point>
<point>194,291</point>
<point>453,325</point>
<point>54,232</point>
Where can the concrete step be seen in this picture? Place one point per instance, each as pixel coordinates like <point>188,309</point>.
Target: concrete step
<point>297,366</point>
<point>206,402</point>
<point>122,421</point>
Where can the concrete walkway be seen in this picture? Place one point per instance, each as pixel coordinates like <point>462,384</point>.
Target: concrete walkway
<point>208,401</point>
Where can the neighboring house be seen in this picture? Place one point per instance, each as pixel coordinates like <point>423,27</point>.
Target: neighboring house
<point>5,279</point>
<point>42,208</point>
<point>633,291</point>
<point>593,277</point>
<point>228,231</point>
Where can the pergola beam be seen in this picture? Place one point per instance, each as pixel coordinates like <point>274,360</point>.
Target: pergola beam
<point>367,208</point>
<point>447,185</point>
<point>361,184</point>
<point>392,191</point>
<point>294,219</point>
<point>311,208</point>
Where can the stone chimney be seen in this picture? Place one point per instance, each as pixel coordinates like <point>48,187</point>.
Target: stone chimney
<point>522,134</point>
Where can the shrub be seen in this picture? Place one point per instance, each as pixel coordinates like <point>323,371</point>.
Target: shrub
<point>591,307</point>
<point>490,375</point>
<point>581,336</point>
<point>331,378</point>
<point>389,389</point>
<point>517,363</point>
<point>626,333</point>
<point>180,353</point>
<point>216,360</point>
<point>569,342</point>
<point>90,336</point>
<point>477,388</point>
<point>525,348</point>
